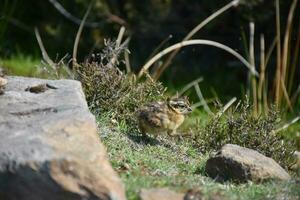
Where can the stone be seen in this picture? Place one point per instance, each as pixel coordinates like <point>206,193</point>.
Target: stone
<point>160,193</point>
<point>241,164</point>
<point>49,147</point>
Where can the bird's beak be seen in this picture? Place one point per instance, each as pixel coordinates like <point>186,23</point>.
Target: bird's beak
<point>189,110</point>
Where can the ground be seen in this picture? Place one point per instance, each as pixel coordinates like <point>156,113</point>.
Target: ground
<point>168,162</point>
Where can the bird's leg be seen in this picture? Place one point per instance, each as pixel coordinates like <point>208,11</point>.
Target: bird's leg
<point>171,132</point>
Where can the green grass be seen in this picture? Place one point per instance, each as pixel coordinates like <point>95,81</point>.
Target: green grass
<point>168,162</point>
<point>21,65</point>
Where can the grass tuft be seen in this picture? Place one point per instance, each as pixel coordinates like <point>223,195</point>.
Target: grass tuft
<point>243,128</point>
<point>109,90</point>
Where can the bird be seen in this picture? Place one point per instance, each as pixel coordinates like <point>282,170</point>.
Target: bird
<point>158,118</point>
<point>40,88</point>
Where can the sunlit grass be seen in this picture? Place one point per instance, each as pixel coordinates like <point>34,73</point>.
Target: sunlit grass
<point>21,65</point>
<point>176,164</point>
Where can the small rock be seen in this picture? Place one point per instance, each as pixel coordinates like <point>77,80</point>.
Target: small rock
<point>160,194</point>
<point>241,164</point>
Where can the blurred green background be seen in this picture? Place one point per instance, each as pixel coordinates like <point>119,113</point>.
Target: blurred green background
<point>147,23</point>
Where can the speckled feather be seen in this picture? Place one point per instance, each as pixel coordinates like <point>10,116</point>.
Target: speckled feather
<point>160,117</point>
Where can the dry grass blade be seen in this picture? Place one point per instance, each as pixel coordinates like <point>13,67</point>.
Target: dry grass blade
<point>189,85</point>
<point>288,31</point>
<point>201,98</point>
<point>118,43</point>
<point>285,126</point>
<point>127,62</point>
<point>286,95</point>
<point>252,62</point>
<point>295,61</point>
<point>223,110</point>
<point>159,71</point>
<point>270,51</point>
<point>120,36</point>
<point>75,48</point>
<point>160,46</point>
<point>43,50</point>
<point>200,103</point>
<point>295,95</point>
<point>196,42</point>
<point>278,67</point>
<point>72,18</point>
<point>261,75</point>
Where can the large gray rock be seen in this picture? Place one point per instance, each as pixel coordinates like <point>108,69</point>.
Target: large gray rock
<point>49,148</point>
<point>241,164</point>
